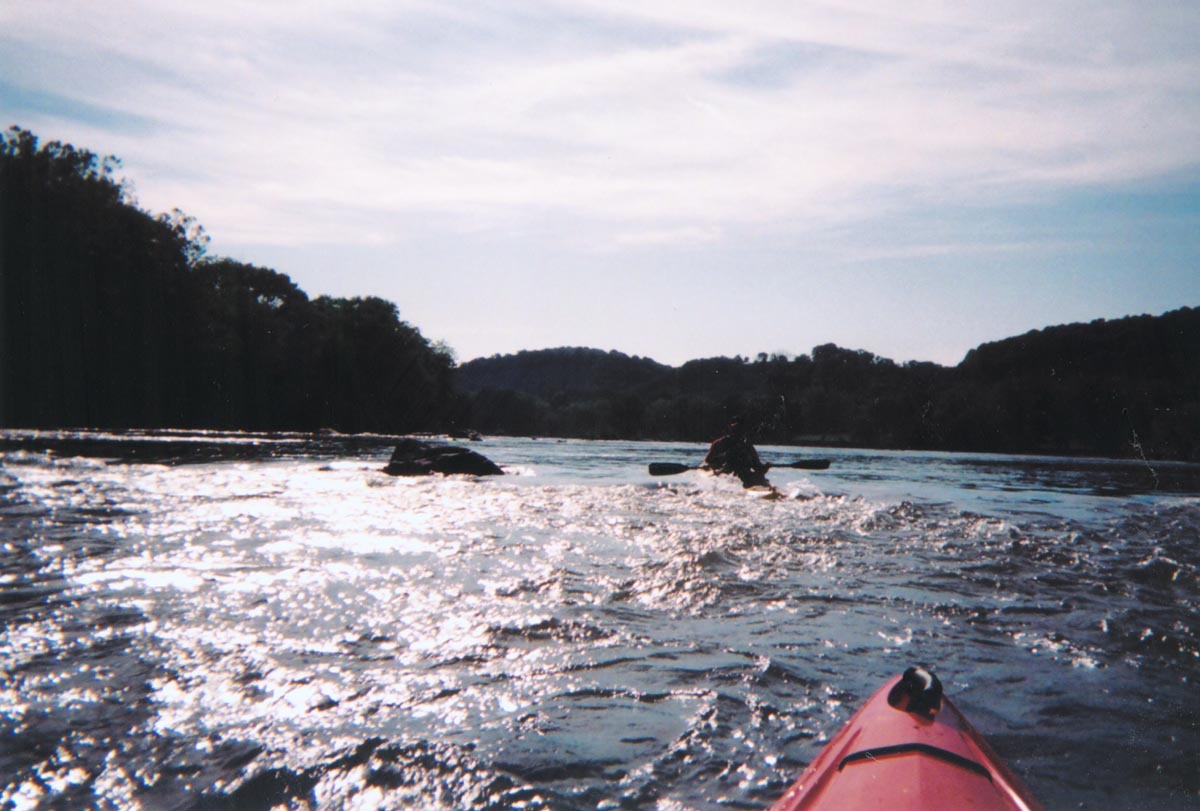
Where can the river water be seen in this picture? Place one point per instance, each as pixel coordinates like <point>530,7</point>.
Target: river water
<point>225,621</point>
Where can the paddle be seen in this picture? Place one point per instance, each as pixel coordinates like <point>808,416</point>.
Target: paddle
<point>671,468</point>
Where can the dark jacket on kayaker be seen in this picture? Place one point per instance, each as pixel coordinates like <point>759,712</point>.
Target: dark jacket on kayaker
<point>734,454</point>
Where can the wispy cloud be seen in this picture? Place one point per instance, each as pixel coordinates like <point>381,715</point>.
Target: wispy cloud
<point>689,235</point>
<point>319,121</point>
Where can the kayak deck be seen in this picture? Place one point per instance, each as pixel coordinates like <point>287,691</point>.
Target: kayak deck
<point>889,755</point>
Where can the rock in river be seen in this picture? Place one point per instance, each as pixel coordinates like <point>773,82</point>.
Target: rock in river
<point>415,457</point>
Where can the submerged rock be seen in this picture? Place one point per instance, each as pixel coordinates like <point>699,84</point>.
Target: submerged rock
<point>415,457</point>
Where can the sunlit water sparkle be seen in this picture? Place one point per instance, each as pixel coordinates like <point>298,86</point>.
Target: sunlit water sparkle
<point>232,621</point>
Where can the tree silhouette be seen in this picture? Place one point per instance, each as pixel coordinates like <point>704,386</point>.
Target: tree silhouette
<point>114,318</point>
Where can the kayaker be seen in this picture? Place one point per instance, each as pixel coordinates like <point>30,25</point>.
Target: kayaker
<point>734,454</point>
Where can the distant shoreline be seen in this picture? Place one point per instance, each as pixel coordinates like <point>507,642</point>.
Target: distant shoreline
<point>179,445</point>
<point>116,318</point>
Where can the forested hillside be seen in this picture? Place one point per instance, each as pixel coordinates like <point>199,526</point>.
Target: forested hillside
<point>1126,387</point>
<point>113,318</point>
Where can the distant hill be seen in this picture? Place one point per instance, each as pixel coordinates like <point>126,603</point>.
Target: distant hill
<point>1161,347</point>
<point>111,317</point>
<point>571,369</point>
<point>1124,387</point>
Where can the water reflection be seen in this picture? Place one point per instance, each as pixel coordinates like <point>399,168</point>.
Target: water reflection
<point>303,630</point>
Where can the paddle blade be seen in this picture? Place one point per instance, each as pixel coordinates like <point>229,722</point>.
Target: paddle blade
<point>808,464</point>
<point>668,468</point>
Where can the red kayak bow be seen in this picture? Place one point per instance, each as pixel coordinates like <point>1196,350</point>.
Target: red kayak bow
<point>907,748</point>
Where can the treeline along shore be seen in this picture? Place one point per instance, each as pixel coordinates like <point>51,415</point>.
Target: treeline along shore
<point>113,317</point>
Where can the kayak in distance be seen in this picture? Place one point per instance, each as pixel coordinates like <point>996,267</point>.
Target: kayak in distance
<point>908,748</point>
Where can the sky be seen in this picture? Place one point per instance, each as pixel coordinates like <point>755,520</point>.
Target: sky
<point>668,179</point>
